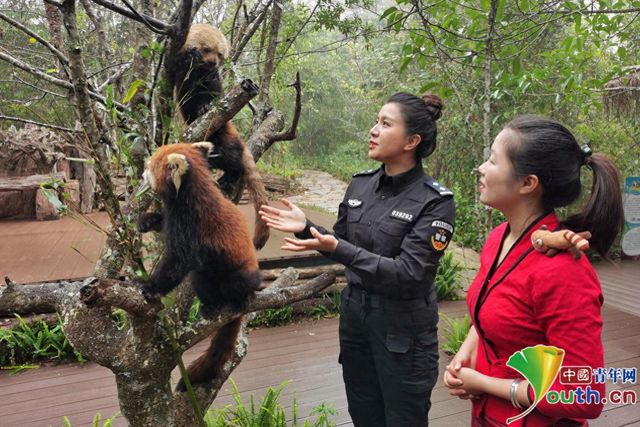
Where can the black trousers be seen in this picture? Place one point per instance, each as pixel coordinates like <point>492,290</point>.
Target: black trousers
<point>389,357</point>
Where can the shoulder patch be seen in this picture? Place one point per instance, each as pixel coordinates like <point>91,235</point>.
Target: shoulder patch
<point>441,189</point>
<point>440,234</point>
<point>365,172</point>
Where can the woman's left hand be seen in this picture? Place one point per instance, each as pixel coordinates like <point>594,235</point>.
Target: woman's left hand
<point>320,242</point>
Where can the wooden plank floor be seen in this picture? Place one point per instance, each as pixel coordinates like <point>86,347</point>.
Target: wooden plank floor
<point>38,251</point>
<point>304,354</point>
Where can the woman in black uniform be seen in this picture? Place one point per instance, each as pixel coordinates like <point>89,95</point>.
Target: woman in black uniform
<point>393,226</point>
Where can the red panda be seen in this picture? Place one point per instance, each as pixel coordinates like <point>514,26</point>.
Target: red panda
<point>206,237</point>
<point>195,75</point>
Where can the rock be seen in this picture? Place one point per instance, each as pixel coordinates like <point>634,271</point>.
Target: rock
<point>45,211</point>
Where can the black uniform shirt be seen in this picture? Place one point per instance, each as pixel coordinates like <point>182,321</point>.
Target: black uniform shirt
<point>392,231</point>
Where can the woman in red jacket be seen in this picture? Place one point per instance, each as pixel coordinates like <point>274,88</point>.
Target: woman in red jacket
<point>520,298</point>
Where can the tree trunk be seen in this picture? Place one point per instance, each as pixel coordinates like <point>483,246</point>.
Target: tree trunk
<point>488,78</point>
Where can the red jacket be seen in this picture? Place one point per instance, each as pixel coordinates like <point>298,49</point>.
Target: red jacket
<point>532,299</point>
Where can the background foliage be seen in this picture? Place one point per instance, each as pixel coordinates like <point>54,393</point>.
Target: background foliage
<point>488,59</point>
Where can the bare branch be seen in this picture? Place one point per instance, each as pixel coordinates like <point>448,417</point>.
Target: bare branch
<point>37,297</point>
<point>592,12</point>
<point>181,22</point>
<point>271,297</point>
<point>155,25</point>
<point>44,76</point>
<point>63,59</point>
<point>105,49</point>
<point>45,125</point>
<point>221,113</point>
<point>290,133</point>
<point>256,18</point>
<point>260,140</point>
<point>118,294</point>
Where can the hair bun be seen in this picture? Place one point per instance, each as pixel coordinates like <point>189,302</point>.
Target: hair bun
<point>434,105</point>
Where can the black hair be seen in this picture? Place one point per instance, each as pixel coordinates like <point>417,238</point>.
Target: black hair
<point>420,115</point>
<point>547,149</point>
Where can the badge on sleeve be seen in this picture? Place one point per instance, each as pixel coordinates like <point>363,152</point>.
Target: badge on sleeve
<point>354,203</point>
<point>441,233</point>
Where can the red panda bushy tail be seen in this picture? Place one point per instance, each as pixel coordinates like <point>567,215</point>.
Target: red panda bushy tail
<point>209,365</point>
<point>258,196</point>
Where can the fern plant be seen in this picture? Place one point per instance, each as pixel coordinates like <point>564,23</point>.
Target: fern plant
<point>447,281</point>
<point>454,333</point>
<point>268,413</point>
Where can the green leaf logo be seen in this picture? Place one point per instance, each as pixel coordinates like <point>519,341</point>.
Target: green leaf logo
<point>539,365</point>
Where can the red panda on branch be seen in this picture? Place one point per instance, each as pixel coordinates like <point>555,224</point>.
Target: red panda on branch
<point>207,238</point>
<point>195,75</point>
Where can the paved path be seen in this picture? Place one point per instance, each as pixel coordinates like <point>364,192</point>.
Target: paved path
<point>322,191</point>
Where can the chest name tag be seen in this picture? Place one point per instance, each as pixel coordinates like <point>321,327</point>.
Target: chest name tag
<point>402,215</point>
<point>354,203</point>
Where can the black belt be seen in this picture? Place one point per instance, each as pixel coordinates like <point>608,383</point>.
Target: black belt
<point>369,299</point>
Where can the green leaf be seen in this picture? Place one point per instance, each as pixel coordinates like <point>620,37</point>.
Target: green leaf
<point>133,88</point>
<point>500,10</point>
<point>622,53</point>
<point>388,11</point>
<point>515,64</point>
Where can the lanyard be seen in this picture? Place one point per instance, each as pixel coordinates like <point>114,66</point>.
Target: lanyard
<point>485,290</point>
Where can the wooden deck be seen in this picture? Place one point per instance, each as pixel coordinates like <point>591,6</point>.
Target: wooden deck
<point>304,354</point>
<point>37,251</point>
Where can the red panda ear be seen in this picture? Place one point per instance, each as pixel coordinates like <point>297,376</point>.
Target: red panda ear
<point>206,148</point>
<point>177,166</point>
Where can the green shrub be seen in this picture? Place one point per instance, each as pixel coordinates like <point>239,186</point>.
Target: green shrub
<point>454,333</point>
<point>26,343</point>
<point>329,307</point>
<point>447,281</point>
<point>273,316</point>
<point>268,413</point>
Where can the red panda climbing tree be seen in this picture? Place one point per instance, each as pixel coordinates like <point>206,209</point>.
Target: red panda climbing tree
<point>139,355</point>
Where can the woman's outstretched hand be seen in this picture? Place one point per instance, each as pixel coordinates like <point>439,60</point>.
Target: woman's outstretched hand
<point>291,220</point>
<point>320,242</point>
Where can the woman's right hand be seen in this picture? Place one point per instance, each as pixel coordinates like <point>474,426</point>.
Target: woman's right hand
<point>464,358</point>
<point>291,220</point>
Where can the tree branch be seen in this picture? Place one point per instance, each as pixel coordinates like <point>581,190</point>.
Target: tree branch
<point>45,125</point>
<point>155,25</point>
<point>222,112</point>
<point>58,82</point>
<point>257,17</point>
<point>117,294</point>
<point>180,28</point>
<point>290,133</point>
<point>261,139</point>
<point>37,297</point>
<point>281,294</point>
<point>63,59</point>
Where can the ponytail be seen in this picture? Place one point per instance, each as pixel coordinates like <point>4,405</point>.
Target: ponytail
<point>602,215</point>
<point>547,149</point>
